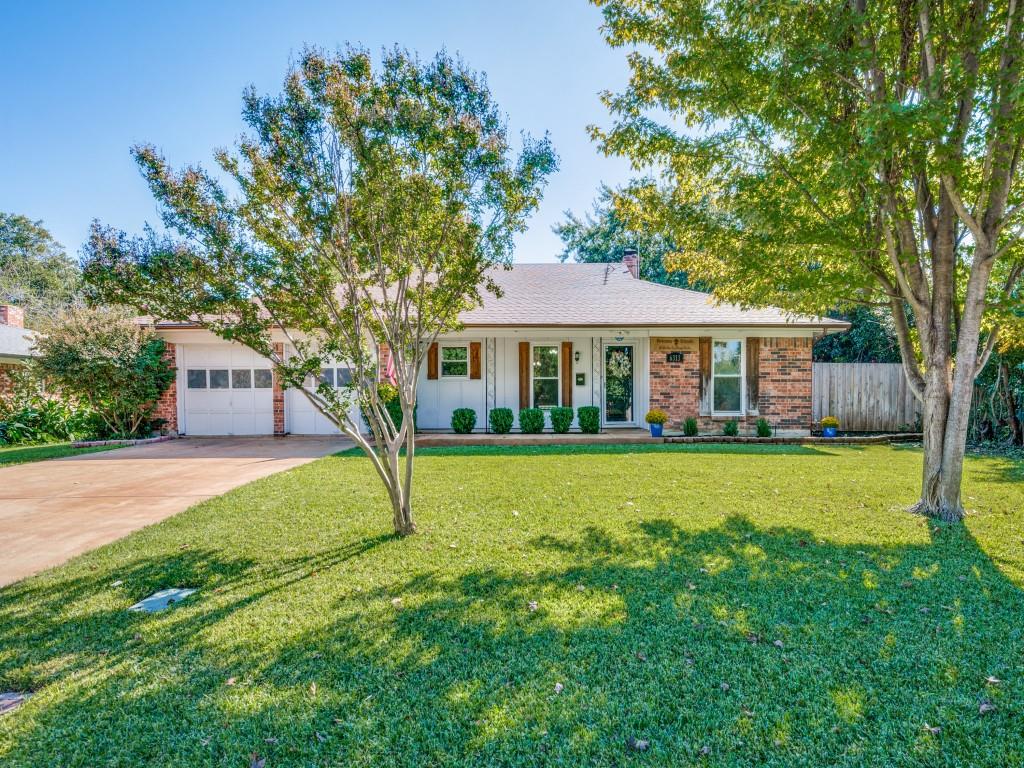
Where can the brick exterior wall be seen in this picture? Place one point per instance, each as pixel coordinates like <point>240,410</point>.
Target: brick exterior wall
<point>278,395</point>
<point>6,378</point>
<point>784,384</point>
<point>12,315</point>
<point>167,405</point>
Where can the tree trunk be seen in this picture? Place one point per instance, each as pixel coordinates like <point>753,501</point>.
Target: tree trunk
<point>940,493</point>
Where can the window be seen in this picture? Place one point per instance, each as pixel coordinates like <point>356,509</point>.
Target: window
<point>727,377</point>
<point>327,376</point>
<point>545,376</point>
<point>344,377</point>
<point>241,378</point>
<point>196,378</point>
<point>262,378</point>
<point>454,362</point>
<point>219,378</point>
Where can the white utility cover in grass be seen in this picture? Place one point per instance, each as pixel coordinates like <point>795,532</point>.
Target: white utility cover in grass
<point>10,701</point>
<point>160,600</point>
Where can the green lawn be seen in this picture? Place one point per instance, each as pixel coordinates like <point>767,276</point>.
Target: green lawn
<point>730,605</point>
<point>20,454</point>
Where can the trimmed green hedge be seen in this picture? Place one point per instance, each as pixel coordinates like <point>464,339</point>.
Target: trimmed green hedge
<point>764,429</point>
<point>731,428</point>
<point>561,419</point>
<point>690,427</point>
<point>501,420</point>
<point>590,419</point>
<point>463,420</point>
<point>531,421</point>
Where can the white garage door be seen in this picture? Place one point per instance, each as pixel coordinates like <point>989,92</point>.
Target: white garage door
<point>303,418</point>
<point>228,391</point>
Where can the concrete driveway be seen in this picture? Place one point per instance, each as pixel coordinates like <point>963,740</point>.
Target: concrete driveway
<point>53,510</point>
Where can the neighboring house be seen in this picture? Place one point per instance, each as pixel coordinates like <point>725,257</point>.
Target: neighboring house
<point>561,334</point>
<point>16,344</point>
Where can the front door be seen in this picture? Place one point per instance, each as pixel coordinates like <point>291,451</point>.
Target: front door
<point>618,384</point>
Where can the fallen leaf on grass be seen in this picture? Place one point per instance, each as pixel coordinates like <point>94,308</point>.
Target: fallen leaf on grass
<point>934,730</point>
<point>705,750</point>
<point>231,681</point>
<point>725,687</point>
<point>641,656</point>
<point>319,736</point>
<point>993,680</point>
<point>312,689</point>
<point>985,707</point>
<point>255,761</point>
<point>559,687</point>
<point>532,605</point>
<point>778,644</point>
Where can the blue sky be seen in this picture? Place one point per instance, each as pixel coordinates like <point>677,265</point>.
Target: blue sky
<point>84,81</point>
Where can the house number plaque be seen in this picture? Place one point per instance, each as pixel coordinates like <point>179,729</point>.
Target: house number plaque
<point>674,357</point>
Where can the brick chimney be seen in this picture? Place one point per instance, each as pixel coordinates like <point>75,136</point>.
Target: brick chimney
<point>631,261</point>
<point>12,315</point>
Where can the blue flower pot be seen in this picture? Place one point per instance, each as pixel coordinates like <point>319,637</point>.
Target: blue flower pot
<point>656,429</point>
<point>828,431</point>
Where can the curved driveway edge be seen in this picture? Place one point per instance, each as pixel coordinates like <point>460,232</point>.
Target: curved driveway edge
<point>53,510</point>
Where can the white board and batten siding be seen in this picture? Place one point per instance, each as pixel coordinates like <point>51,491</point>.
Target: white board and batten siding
<point>865,397</point>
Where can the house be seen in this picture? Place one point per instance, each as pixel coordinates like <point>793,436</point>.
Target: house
<point>16,344</point>
<point>560,334</point>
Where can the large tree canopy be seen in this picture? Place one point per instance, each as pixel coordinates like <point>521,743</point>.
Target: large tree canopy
<point>853,151</point>
<point>372,203</point>
<point>35,272</point>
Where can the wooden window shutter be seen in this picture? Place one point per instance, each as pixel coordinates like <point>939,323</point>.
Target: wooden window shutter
<point>704,347</point>
<point>474,359</point>
<point>753,371</point>
<point>524,374</point>
<point>432,361</point>
<point>567,374</point>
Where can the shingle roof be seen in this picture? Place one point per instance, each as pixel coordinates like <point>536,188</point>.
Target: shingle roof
<point>608,295</point>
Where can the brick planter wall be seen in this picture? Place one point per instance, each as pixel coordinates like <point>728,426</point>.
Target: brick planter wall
<point>785,384</point>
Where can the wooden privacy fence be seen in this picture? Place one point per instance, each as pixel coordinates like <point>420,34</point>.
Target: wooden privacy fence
<point>865,397</point>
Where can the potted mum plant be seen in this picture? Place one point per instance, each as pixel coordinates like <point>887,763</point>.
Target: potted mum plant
<point>656,419</point>
<point>829,425</point>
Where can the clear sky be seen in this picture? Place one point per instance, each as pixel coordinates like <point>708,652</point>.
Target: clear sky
<point>83,81</point>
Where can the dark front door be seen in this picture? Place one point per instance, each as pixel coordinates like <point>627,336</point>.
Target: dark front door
<point>618,384</point>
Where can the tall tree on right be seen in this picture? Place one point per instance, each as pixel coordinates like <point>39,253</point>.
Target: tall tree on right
<point>852,152</point>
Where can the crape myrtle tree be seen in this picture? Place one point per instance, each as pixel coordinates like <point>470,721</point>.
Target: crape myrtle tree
<point>364,209</point>
<point>817,153</point>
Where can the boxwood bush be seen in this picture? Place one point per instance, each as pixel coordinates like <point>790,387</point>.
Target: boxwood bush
<point>764,429</point>
<point>731,428</point>
<point>501,420</point>
<point>590,419</point>
<point>561,419</point>
<point>690,427</point>
<point>463,420</point>
<point>531,421</point>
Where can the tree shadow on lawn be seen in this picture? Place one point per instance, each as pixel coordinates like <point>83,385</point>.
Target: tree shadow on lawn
<point>667,635</point>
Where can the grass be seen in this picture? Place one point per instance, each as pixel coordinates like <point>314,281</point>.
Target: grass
<point>730,605</point>
<point>21,454</point>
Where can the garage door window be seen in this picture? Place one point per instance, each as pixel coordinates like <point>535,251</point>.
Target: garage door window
<point>262,378</point>
<point>197,378</point>
<point>241,378</point>
<point>327,376</point>
<point>218,378</point>
<point>344,377</point>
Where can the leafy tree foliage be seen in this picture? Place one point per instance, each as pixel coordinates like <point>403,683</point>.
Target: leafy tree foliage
<point>105,359</point>
<point>373,204</point>
<point>850,151</point>
<point>35,272</point>
<point>870,339</point>
<point>603,234</point>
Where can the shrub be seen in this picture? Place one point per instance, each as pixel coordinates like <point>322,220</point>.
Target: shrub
<point>561,419</point>
<point>501,420</point>
<point>764,429</point>
<point>830,421</point>
<point>463,420</point>
<point>590,419</point>
<point>690,427</point>
<point>35,418</point>
<point>106,360</point>
<point>656,416</point>
<point>731,428</point>
<point>531,421</point>
<point>388,394</point>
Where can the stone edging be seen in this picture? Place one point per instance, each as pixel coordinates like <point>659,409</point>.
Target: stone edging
<point>139,441</point>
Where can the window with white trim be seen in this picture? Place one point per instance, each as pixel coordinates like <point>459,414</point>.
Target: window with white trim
<point>545,374</point>
<point>727,377</point>
<point>455,361</point>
